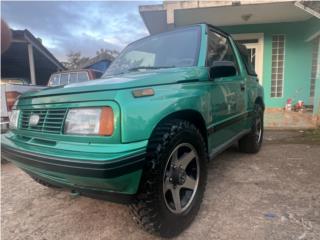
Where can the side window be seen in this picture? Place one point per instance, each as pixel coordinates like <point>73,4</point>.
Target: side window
<point>82,76</point>
<point>73,77</point>
<point>244,53</point>
<point>64,78</point>
<point>219,49</point>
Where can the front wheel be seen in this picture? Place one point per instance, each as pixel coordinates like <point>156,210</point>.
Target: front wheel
<point>173,181</point>
<point>251,143</point>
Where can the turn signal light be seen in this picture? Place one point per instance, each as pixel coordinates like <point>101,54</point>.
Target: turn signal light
<point>143,92</point>
<point>106,122</point>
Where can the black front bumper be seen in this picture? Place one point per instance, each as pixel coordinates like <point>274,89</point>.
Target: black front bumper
<point>91,193</point>
<point>88,168</point>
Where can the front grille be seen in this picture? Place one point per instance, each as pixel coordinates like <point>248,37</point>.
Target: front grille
<point>50,120</point>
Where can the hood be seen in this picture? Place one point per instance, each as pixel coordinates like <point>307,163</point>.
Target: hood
<point>127,81</point>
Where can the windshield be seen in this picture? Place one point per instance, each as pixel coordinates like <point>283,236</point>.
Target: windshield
<point>167,50</point>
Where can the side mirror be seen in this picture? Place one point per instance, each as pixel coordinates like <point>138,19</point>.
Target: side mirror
<point>222,69</point>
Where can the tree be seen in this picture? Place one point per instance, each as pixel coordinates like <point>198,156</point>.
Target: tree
<point>75,60</point>
<point>106,53</point>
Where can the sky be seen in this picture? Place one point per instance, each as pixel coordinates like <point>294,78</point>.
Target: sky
<point>84,26</point>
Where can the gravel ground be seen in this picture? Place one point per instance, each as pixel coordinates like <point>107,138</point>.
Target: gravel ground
<point>271,195</point>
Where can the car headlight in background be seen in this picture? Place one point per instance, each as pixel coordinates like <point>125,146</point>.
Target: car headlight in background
<point>14,117</point>
<point>90,121</point>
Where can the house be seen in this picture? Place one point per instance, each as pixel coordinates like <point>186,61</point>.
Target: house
<point>99,63</point>
<point>28,59</point>
<point>282,38</point>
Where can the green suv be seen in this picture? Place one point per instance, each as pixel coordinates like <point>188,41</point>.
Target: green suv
<point>143,133</point>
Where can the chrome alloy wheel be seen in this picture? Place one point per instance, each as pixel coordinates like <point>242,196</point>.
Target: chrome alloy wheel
<point>258,131</point>
<point>181,178</point>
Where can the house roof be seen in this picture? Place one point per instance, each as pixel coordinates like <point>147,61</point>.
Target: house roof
<point>312,7</point>
<point>27,37</point>
<point>102,57</point>
<point>15,60</point>
<point>158,18</point>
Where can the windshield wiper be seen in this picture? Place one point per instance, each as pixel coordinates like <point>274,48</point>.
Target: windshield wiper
<point>148,67</point>
<point>141,67</point>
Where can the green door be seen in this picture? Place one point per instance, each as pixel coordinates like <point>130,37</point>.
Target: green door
<point>227,93</point>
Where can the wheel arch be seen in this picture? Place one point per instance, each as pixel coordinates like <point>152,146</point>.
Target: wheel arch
<point>259,101</point>
<point>190,115</point>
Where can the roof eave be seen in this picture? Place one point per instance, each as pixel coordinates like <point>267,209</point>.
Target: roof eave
<point>307,9</point>
<point>37,45</point>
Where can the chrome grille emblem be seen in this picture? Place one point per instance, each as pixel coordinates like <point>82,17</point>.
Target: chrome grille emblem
<point>34,119</point>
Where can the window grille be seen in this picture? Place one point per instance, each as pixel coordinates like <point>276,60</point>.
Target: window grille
<point>278,45</point>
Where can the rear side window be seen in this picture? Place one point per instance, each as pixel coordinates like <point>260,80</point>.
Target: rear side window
<point>219,49</point>
<point>67,78</point>
<point>246,59</point>
<point>64,78</point>
<point>73,77</point>
<point>83,76</point>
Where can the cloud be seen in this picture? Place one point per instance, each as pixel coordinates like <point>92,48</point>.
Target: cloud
<point>77,26</point>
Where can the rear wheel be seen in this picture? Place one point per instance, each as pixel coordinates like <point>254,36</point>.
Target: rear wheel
<point>173,181</point>
<point>251,143</point>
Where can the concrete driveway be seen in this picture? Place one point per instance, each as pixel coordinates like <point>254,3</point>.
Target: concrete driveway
<point>272,195</point>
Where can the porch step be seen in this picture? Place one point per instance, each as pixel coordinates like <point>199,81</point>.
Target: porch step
<point>289,120</point>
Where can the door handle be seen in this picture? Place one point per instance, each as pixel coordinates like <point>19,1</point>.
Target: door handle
<point>242,86</point>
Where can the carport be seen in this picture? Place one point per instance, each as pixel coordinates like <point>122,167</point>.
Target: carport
<point>282,38</point>
<point>27,58</point>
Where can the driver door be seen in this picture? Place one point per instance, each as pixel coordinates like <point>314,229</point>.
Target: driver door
<point>227,93</point>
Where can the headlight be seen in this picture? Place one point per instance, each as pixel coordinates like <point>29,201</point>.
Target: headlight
<point>90,121</point>
<point>14,117</point>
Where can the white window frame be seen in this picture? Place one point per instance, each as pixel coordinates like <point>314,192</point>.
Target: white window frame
<point>260,49</point>
<point>283,67</point>
<point>314,64</point>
